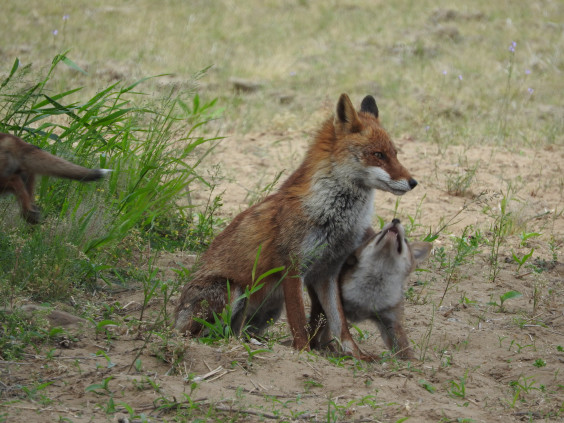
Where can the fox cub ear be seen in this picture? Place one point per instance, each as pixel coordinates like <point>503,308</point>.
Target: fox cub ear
<point>421,250</point>
<point>346,117</point>
<point>368,105</point>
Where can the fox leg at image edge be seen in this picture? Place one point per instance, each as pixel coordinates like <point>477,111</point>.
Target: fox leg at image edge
<point>22,191</point>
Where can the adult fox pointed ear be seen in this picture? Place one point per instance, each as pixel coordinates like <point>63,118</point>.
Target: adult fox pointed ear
<point>368,105</point>
<point>346,117</point>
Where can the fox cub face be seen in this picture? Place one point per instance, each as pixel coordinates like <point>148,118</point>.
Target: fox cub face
<point>365,147</point>
<point>372,283</point>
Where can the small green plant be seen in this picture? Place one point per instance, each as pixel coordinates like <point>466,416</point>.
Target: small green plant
<point>503,298</point>
<point>103,326</point>
<point>251,353</point>
<point>502,226</point>
<point>428,386</point>
<point>109,362</point>
<point>519,346</point>
<point>539,362</point>
<point>154,385</point>
<point>525,236</point>
<point>426,337</point>
<point>467,246</point>
<point>150,284</point>
<point>459,183</point>
<point>521,261</point>
<point>554,247</point>
<point>335,412</point>
<point>413,221</point>
<point>203,225</point>
<point>361,335</point>
<point>102,388</point>
<point>132,414</point>
<point>458,389</point>
<point>524,385</point>
<point>464,300</point>
<point>339,361</point>
<point>18,333</point>
<point>310,383</point>
<point>34,393</point>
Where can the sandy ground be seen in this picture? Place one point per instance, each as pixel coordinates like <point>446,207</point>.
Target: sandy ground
<point>475,362</point>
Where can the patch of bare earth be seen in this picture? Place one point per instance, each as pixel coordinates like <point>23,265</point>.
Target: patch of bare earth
<point>476,361</point>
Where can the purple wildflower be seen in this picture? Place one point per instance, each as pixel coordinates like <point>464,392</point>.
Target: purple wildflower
<point>55,31</point>
<point>531,91</point>
<point>460,77</point>
<point>512,47</point>
<point>66,17</point>
<point>527,71</point>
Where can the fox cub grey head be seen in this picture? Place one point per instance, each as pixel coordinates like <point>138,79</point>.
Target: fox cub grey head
<point>390,255</point>
<point>391,246</point>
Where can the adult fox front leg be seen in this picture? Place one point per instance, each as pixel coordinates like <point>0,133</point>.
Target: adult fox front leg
<point>310,226</point>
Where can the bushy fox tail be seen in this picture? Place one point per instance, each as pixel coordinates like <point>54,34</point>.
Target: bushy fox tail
<point>44,163</point>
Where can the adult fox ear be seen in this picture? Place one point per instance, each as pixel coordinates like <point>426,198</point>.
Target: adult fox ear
<point>420,250</point>
<point>368,105</point>
<point>346,117</point>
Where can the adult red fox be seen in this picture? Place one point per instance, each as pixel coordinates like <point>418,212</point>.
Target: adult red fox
<point>372,285</point>
<point>20,162</point>
<point>317,218</point>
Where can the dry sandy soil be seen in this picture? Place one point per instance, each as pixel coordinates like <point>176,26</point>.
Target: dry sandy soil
<point>475,361</point>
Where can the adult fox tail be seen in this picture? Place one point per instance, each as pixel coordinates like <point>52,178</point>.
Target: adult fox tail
<point>44,163</point>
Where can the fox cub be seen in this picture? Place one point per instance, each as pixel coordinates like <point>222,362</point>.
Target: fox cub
<point>372,285</point>
<point>20,162</point>
<point>317,218</point>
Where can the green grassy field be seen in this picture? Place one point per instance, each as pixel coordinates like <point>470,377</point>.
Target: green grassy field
<point>433,64</point>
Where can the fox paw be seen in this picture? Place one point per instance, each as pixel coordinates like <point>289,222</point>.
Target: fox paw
<point>32,216</point>
<point>366,357</point>
<point>406,354</point>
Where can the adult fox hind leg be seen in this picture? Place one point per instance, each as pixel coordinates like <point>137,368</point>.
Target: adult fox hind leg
<point>30,212</point>
<point>200,299</point>
<point>24,194</point>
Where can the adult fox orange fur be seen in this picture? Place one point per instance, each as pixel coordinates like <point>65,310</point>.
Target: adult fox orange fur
<point>20,162</point>
<point>310,226</point>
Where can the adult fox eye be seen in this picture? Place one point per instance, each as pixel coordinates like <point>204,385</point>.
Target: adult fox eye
<point>379,155</point>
